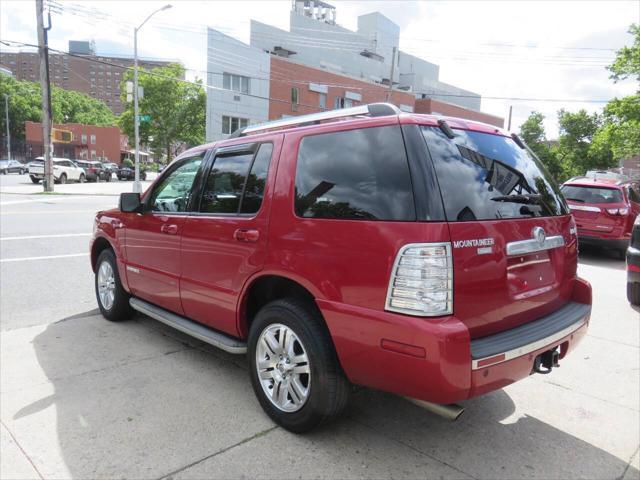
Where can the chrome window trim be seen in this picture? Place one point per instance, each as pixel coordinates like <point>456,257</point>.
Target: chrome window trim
<point>585,208</point>
<point>531,347</point>
<point>392,276</point>
<point>532,245</point>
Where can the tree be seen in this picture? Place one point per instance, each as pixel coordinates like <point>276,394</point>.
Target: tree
<point>25,104</point>
<point>533,134</point>
<point>627,62</point>
<point>176,108</point>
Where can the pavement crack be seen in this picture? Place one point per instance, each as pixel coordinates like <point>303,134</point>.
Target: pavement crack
<point>613,341</point>
<point>219,452</point>
<point>573,390</point>
<point>624,472</point>
<point>411,447</point>
<point>23,451</point>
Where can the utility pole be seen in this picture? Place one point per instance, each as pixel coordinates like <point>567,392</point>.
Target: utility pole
<point>43,49</point>
<point>6,112</point>
<point>510,112</point>
<point>393,65</point>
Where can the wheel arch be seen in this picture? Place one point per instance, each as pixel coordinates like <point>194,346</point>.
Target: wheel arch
<point>99,245</point>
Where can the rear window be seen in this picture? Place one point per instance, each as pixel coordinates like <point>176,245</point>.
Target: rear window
<point>488,177</point>
<point>582,194</point>
<point>358,174</point>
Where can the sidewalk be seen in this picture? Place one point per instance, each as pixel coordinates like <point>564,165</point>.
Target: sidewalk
<point>22,185</point>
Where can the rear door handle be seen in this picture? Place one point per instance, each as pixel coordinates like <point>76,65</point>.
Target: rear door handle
<point>246,235</point>
<point>169,229</point>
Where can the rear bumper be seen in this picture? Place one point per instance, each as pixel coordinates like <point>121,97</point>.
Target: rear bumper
<point>619,243</point>
<point>436,360</point>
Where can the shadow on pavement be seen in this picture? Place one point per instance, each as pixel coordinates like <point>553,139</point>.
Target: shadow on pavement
<point>138,399</point>
<point>601,257</point>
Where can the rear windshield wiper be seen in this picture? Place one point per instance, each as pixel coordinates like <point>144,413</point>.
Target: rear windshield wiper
<point>576,199</point>
<point>529,198</point>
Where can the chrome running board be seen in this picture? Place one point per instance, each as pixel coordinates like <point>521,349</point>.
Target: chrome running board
<point>194,329</point>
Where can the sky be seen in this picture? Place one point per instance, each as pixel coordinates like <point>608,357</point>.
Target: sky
<point>519,51</point>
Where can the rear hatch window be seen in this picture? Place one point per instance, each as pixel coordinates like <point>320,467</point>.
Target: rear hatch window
<point>512,256</point>
<point>485,177</point>
<point>584,194</point>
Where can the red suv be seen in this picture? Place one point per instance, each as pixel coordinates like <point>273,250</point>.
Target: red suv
<point>425,256</point>
<point>604,210</point>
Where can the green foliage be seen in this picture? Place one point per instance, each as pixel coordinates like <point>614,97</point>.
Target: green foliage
<point>127,163</point>
<point>533,134</point>
<point>25,103</point>
<point>627,62</point>
<point>176,107</point>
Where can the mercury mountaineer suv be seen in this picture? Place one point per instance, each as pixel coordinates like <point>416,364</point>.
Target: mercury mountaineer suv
<point>426,256</point>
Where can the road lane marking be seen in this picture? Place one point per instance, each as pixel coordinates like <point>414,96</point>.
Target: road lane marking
<point>31,237</point>
<point>49,257</point>
<point>44,199</point>
<point>47,212</point>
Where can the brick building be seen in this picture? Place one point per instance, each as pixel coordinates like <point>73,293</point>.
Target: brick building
<point>438,107</point>
<point>82,73</point>
<point>292,93</point>
<point>88,142</point>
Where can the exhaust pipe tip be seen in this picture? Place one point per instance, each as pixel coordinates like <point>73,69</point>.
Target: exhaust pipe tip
<point>451,412</point>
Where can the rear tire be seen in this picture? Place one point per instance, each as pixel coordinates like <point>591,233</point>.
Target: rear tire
<point>113,299</point>
<point>633,293</point>
<point>82,178</point>
<point>34,179</point>
<point>63,179</point>
<point>325,389</point>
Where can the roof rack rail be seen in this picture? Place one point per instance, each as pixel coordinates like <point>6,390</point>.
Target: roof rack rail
<point>372,110</point>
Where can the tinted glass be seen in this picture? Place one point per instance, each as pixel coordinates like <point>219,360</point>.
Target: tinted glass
<point>224,185</point>
<point>357,175</point>
<point>486,177</point>
<point>256,180</point>
<point>634,194</point>
<point>173,192</point>
<point>592,194</point>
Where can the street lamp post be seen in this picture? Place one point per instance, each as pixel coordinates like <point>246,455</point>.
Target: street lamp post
<point>137,187</point>
<point>6,112</point>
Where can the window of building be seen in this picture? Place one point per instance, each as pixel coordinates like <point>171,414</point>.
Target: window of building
<point>358,175</point>
<point>236,83</point>
<point>322,100</point>
<point>84,137</point>
<point>294,95</point>
<point>93,154</point>
<point>93,139</point>
<point>231,124</point>
<point>341,102</point>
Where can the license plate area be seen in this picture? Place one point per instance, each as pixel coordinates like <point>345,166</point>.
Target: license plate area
<point>530,274</point>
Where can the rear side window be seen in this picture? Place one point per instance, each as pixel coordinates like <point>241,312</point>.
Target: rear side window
<point>585,194</point>
<point>487,177</point>
<point>236,182</point>
<point>355,175</point>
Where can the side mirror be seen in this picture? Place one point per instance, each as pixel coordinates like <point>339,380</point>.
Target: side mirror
<point>130,202</point>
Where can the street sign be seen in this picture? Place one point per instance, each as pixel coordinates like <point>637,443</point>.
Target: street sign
<point>144,118</point>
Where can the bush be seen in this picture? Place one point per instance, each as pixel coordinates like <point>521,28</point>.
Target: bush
<point>127,163</point>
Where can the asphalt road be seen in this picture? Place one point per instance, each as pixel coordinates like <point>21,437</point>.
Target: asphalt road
<point>84,398</point>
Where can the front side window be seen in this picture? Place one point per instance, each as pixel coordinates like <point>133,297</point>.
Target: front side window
<point>487,177</point>
<point>355,175</point>
<point>174,190</point>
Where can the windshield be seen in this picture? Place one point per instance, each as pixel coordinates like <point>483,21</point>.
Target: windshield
<point>582,194</point>
<point>486,177</point>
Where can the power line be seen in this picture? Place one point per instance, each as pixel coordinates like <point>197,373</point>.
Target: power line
<point>212,87</point>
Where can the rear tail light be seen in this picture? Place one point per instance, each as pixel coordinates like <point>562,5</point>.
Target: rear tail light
<point>421,281</point>
<point>618,211</point>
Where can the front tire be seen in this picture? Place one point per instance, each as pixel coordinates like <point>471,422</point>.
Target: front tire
<point>633,293</point>
<point>63,179</point>
<point>82,178</point>
<point>113,299</point>
<point>34,179</point>
<point>293,366</point>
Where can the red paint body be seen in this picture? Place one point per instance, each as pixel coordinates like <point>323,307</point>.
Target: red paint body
<point>205,271</point>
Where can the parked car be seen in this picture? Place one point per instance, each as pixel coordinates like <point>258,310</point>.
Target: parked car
<point>633,265</point>
<point>604,210</point>
<point>12,166</point>
<point>64,170</point>
<point>94,170</point>
<point>432,258</point>
<point>605,174</point>
<point>112,167</point>
<point>128,173</point>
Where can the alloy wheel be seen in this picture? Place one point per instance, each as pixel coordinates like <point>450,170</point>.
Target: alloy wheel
<point>106,285</point>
